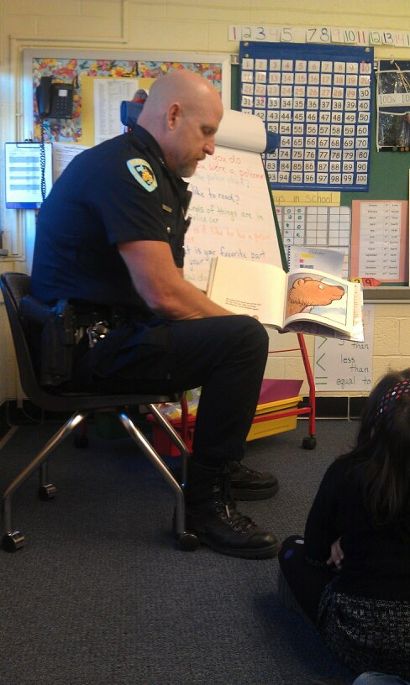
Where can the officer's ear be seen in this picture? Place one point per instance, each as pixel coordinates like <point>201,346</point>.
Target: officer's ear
<point>174,113</point>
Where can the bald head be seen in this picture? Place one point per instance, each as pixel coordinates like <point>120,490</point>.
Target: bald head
<point>182,86</point>
<point>182,112</point>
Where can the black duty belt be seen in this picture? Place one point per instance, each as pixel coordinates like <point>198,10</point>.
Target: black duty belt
<point>86,314</point>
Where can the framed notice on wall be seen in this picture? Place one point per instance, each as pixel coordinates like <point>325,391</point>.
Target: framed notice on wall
<point>316,104</point>
<point>28,167</point>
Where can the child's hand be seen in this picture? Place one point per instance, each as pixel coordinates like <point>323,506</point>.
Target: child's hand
<point>336,555</point>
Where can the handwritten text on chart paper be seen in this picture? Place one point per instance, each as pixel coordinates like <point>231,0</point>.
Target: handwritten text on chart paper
<point>342,365</point>
<point>231,213</point>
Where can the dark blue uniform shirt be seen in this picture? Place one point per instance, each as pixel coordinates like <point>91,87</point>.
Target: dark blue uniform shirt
<point>118,191</point>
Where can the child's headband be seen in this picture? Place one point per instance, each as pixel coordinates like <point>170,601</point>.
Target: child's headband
<point>391,395</point>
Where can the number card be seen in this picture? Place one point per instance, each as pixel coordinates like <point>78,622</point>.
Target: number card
<point>316,101</point>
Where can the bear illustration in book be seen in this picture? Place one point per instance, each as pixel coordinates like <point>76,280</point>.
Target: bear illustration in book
<point>308,292</point>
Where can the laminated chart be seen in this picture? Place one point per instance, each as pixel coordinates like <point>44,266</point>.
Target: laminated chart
<point>316,227</point>
<point>315,102</point>
<point>380,243</point>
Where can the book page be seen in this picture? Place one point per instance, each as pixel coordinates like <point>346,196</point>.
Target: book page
<point>245,287</point>
<point>322,298</point>
<point>357,333</point>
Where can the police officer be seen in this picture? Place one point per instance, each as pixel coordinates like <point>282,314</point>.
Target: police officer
<point>110,237</point>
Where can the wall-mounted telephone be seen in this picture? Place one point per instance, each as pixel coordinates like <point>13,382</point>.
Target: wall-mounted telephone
<point>54,99</point>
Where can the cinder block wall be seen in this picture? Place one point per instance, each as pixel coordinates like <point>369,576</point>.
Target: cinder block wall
<point>391,347</point>
<point>176,25</point>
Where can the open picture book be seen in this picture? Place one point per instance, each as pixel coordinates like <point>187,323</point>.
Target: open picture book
<point>305,301</point>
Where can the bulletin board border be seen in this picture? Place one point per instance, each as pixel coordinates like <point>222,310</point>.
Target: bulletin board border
<point>161,56</point>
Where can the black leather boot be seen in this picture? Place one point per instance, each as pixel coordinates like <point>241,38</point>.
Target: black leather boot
<point>247,484</point>
<point>212,515</point>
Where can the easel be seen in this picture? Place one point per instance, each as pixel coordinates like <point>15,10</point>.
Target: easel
<point>274,416</point>
<point>308,442</point>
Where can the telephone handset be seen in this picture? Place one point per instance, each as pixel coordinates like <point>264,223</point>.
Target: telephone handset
<point>54,99</point>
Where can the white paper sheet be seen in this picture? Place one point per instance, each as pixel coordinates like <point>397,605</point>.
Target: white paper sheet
<point>241,131</point>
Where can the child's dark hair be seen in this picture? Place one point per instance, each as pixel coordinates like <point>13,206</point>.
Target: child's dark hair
<point>383,449</point>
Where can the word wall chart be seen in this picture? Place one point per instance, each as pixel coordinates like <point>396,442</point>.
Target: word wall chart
<point>316,103</point>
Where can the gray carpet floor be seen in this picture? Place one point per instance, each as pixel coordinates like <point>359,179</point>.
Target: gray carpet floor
<point>100,595</point>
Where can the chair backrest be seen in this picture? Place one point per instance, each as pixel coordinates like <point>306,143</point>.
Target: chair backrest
<point>14,287</point>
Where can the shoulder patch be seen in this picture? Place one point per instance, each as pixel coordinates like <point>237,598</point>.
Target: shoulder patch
<point>143,173</point>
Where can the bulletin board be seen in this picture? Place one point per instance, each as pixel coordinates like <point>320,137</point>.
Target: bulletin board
<point>65,66</point>
<point>317,100</point>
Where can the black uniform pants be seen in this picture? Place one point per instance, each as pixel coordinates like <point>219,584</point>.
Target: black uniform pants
<point>225,356</point>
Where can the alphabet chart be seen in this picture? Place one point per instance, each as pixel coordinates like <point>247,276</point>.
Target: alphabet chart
<point>316,104</point>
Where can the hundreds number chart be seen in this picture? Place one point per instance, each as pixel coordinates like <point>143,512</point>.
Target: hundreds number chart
<point>316,105</point>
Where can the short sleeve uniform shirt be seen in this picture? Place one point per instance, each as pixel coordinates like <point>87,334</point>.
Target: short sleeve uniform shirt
<point>118,191</point>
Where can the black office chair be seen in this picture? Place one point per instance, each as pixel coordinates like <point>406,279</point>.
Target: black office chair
<point>14,287</point>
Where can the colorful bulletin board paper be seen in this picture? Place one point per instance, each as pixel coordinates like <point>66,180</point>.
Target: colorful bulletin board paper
<point>62,66</point>
<point>315,101</point>
<point>380,241</point>
<point>71,70</point>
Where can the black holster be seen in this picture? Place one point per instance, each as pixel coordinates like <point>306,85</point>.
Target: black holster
<point>51,331</point>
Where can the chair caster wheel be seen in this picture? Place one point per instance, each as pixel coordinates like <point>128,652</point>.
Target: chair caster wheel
<point>46,492</point>
<point>13,541</point>
<point>309,443</point>
<point>188,542</point>
<point>81,442</point>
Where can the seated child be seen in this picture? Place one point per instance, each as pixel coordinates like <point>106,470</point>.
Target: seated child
<point>350,572</point>
<point>371,678</point>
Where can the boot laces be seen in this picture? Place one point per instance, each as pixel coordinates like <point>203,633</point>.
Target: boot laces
<point>227,508</point>
<point>237,521</point>
<point>246,471</point>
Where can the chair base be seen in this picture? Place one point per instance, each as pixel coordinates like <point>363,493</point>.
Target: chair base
<point>13,541</point>
<point>188,542</point>
<point>47,492</point>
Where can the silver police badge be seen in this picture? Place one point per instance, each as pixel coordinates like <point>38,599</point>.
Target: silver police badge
<point>143,173</point>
